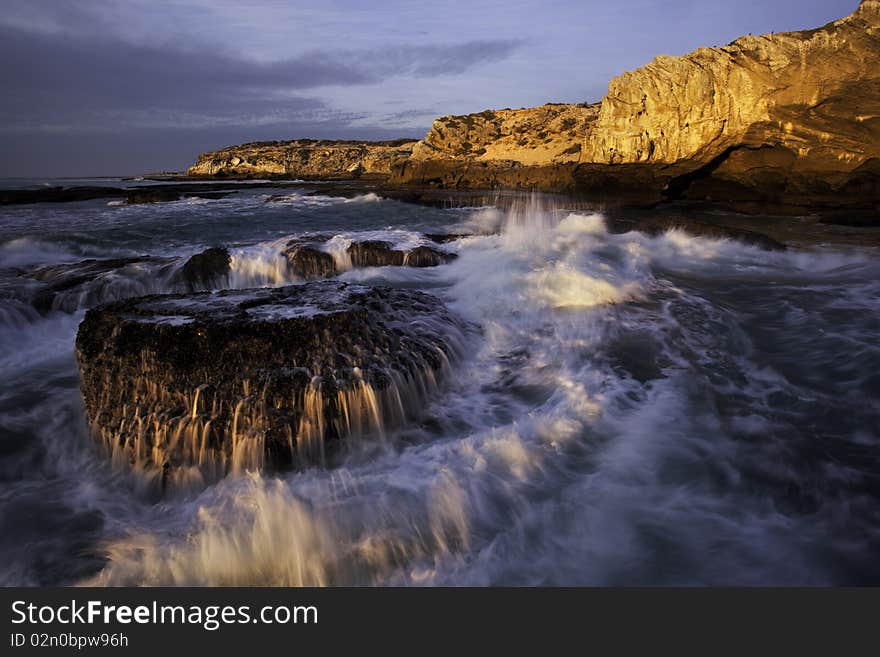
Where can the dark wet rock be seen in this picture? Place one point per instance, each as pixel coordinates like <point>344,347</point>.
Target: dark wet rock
<point>205,270</point>
<point>374,253</point>
<point>188,388</point>
<point>141,196</point>
<point>57,194</point>
<point>306,261</point>
<point>71,286</point>
<point>381,254</point>
<point>853,220</point>
<point>425,256</point>
<point>72,194</point>
<point>65,276</point>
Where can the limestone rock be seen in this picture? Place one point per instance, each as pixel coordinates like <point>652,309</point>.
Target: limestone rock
<point>811,97</point>
<point>425,256</point>
<point>548,134</point>
<point>303,158</point>
<point>374,253</point>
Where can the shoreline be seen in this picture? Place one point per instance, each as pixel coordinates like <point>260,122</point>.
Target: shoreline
<point>753,222</point>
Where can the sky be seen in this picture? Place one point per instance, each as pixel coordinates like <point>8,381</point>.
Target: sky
<point>121,87</point>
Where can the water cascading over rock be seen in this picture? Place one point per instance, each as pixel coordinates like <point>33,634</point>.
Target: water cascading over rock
<point>186,389</point>
<point>204,270</point>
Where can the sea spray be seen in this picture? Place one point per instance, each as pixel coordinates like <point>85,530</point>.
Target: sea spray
<point>710,421</point>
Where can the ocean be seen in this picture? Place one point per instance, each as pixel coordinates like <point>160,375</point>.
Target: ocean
<point>629,410</point>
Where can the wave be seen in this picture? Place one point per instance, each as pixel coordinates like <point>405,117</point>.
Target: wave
<point>25,251</point>
<point>638,409</point>
<point>369,197</point>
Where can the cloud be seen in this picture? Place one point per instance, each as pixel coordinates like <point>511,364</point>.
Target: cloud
<point>56,81</point>
<point>435,60</point>
<point>76,102</point>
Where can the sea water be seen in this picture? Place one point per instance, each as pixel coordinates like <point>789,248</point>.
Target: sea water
<point>632,409</point>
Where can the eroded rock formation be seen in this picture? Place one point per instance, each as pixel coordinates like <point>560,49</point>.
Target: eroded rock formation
<point>814,95</point>
<point>550,134</point>
<point>307,261</point>
<point>787,117</point>
<point>205,270</point>
<point>777,117</point>
<point>187,388</point>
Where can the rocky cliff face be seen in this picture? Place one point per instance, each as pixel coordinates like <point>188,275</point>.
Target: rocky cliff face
<point>791,118</point>
<point>304,158</point>
<point>550,134</point>
<point>785,118</point>
<point>813,94</point>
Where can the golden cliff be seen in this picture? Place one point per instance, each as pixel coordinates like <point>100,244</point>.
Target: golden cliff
<point>814,93</point>
<point>791,118</point>
<point>550,134</point>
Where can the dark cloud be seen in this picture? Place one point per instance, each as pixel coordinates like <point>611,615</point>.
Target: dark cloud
<point>53,81</point>
<point>129,101</point>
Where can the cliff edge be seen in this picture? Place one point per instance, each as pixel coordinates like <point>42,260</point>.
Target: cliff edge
<point>814,93</point>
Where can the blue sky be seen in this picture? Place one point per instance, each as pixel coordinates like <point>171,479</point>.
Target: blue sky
<point>108,87</point>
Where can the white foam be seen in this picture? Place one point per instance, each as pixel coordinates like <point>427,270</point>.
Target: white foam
<point>549,461</point>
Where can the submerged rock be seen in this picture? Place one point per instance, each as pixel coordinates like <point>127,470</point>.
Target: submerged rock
<point>71,286</point>
<point>425,256</point>
<point>187,388</point>
<point>205,270</point>
<point>152,196</point>
<point>376,253</point>
<point>212,196</point>
<point>307,261</point>
<point>57,194</point>
<point>145,194</point>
